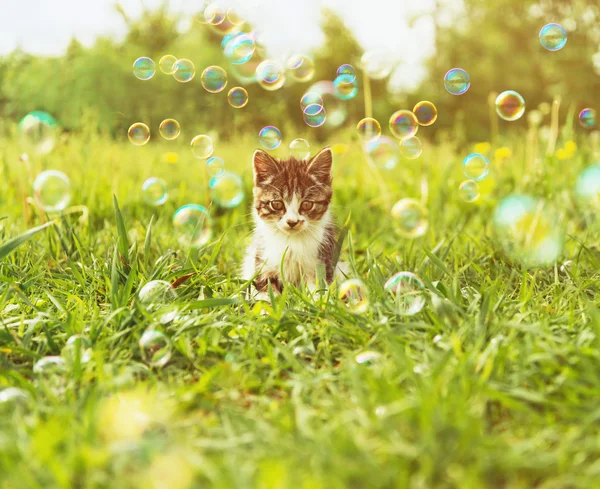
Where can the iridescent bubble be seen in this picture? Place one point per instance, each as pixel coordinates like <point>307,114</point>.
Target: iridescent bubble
<point>139,134</point>
<point>510,106</point>
<point>300,67</point>
<point>226,190</point>
<point>315,115</point>
<point>476,167</point>
<point>369,358</point>
<point>345,87</point>
<point>269,137</point>
<point>346,69</point>
<point>155,348</point>
<point>270,74</point>
<point>167,64</point>
<point>368,129</point>
<point>587,118</point>
<point>234,17</point>
<point>215,14</point>
<point>184,70</point>
<point>587,188</point>
<point>193,224</point>
<point>411,148</point>
<point>169,129</point>
<point>157,297</point>
<point>155,191</point>
<point>144,68</point>
<point>457,81</point>
<point>14,400</point>
<point>215,166</point>
<point>553,37</point>
<point>77,348</point>
<point>383,152</point>
<point>425,112</point>
<point>336,112</point>
<point>411,217</point>
<point>355,295</point>
<point>310,98</point>
<point>237,97</point>
<point>52,190</point>
<point>240,48</point>
<point>404,124</point>
<point>375,65</point>
<point>407,292</point>
<point>469,191</point>
<point>300,149</point>
<point>202,147</point>
<point>214,79</point>
<point>38,132</point>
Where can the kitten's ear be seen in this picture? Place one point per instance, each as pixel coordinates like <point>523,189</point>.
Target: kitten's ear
<point>264,165</point>
<point>320,165</point>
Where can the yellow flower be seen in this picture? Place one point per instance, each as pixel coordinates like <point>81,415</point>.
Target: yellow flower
<point>482,148</point>
<point>502,153</point>
<point>171,158</point>
<point>561,154</point>
<point>571,147</point>
<point>339,149</point>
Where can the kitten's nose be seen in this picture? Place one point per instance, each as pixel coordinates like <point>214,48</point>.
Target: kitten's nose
<point>291,223</point>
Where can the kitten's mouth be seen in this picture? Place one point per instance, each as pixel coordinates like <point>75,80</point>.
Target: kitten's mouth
<point>295,230</point>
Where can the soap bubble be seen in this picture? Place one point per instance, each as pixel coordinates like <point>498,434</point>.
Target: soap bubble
<point>375,65</point>
<point>234,17</point>
<point>553,37</point>
<point>345,87</point>
<point>587,188</point>
<point>300,149</point>
<point>469,191</point>
<point>368,129</point>
<point>38,131</point>
<point>411,217</point>
<point>240,48</point>
<point>310,98</point>
<point>411,148</point>
<point>202,147</point>
<point>457,81</point>
<point>215,14</point>
<point>346,69</point>
<point>476,167</point>
<point>158,296</point>
<point>51,371</point>
<point>403,124</point>
<point>144,68</point>
<point>184,70</point>
<point>193,224</point>
<point>300,67</point>
<point>226,190</point>
<point>169,129</point>
<point>355,296</point>
<point>215,166</point>
<point>237,97</point>
<point>52,190</point>
<point>155,348</point>
<point>587,118</point>
<point>155,191</point>
<point>407,292</point>
<point>336,112</point>
<point>270,75</point>
<point>315,115</point>
<point>425,112</point>
<point>167,64</point>
<point>510,106</point>
<point>269,137</point>
<point>139,134</point>
<point>77,347</point>
<point>383,152</point>
<point>214,79</point>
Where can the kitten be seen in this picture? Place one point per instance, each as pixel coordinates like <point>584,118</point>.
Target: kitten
<point>292,218</point>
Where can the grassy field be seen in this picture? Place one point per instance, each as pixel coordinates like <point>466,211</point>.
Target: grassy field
<point>495,384</point>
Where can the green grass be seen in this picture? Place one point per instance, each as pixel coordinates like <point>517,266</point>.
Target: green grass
<point>495,384</point>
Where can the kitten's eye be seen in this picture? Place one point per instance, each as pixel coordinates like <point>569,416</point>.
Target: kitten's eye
<point>307,205</point>
<point>277,205</point>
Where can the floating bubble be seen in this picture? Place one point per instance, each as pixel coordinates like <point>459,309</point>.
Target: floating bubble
<point>270,75</point>
<point>77,348</point>
<point>469,191</point>
<point>375,65</point>
<point>383,152</point>
<point>457,81</point>
<point>587,187</point>
<point>167,64</point>
<point>315,115</point>
<point>412,218</point>
<point>215,14</point>
<point>368,129</point>
<point>587,118</point>
<point>226,190</point>
<point>355,296</point>
<point>240,48</point>
<point>425,112</point>
<point>369,358</point>
<point>202,147</point>
<point>411,148</point>
<point>407,292</point>
<point>310,98</point>
<point>345,87</point>
<point>269,137</point>
<point>215,166</point>
<point>336,112</point>
<point>159,296</point>
<point>476,167</point>
<point>52,190</point>
<point>14,399</point>
<point>300,149</point>
<point>346,69</point>
<point>300,67</point>
<point>234,17</point>
<point>193,224</point>
<point>404,124</point>
<point>510,106</point>
<point>155,191</point>
<point>214,79</point>
<point>184,70</point>
<point>169,129</point>
<point>144,68</point>
<point>38,131</point>
<point>139,134</point>
<point>553,37</point>
<point>155,348</point>
<point>237,97</point>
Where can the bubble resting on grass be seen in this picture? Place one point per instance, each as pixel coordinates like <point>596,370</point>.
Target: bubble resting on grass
<point>355,296</point>
<point>407,292</point>
<point>157,296</point>
<point>155,348</point>
<point>193,224</point>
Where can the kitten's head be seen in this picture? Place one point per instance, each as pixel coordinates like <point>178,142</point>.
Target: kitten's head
<point>292,195</point>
